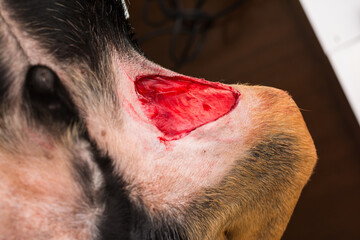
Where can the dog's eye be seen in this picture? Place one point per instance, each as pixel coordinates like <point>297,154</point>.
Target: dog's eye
<point>47,97</point>
<point>41,80</point>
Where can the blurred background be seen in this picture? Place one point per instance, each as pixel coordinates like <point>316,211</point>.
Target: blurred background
<point>310,48</point>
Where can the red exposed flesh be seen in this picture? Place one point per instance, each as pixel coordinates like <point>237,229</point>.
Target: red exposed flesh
<point>178,105</point>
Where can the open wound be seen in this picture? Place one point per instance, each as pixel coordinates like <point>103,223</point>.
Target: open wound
<point>177,105</point>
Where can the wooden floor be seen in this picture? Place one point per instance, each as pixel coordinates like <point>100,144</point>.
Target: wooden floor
<point>270,42</point>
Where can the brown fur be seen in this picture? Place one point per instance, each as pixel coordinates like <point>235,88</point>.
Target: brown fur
<point>256,199</point>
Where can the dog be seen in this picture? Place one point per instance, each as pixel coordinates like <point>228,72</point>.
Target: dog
<point>98,142</point>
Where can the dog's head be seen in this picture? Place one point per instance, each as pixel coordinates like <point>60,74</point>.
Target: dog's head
<point>97,142</point>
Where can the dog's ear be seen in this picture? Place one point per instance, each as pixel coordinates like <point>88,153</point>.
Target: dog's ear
<point>97,141</point>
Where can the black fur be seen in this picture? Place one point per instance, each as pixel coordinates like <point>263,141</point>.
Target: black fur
<point>122,219</point>
<point>4,83</point>
<point>75,29</point>
<point>114,223</point>
<point>145,228</point>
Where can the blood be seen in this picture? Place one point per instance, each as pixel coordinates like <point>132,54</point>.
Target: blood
<point>177,105</point>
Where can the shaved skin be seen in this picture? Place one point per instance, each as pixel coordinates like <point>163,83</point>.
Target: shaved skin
<point>182,128</point>
<point>177,105</point>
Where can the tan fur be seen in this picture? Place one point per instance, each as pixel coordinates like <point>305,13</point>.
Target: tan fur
<point>262,218</point>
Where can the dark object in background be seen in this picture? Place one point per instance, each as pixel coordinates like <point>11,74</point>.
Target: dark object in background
<point>272,43</point>
<point>192,23</point>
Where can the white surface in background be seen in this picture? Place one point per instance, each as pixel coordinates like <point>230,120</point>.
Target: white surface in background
<point>337,26</point>
<point>346,64</point>
<point>127,15</point>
